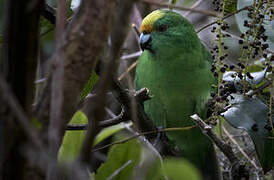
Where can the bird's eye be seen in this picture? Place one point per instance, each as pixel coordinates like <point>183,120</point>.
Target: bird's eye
<point>162,28</point>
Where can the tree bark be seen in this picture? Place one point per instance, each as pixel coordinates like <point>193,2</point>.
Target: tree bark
<point>19,58</point>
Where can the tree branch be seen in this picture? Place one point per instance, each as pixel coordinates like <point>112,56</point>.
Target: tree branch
<point>260,88</point>
<point>238,170</point>
<point>94,109</point>
<point>145,133</point>
<point>240,149</point>
<point>106,123</point>
<point>144,123</point>
<point>82,44</point>
<point>194,10</point>
<point>141,96</point>
<point>57,93</point>
<point>194,6</point>
<point>19,53</point>
<point>227,16</point>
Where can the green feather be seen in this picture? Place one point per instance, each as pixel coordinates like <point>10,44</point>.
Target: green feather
<point>177,73</point>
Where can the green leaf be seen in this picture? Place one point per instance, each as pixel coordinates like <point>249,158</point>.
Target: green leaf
<point>109,131</point>
<point>175,169</point>
<point>156,171</point>
<point>242,16</point>
<point>230,6</point>
<point>250,114</point>
<point>72,141</point>
<point>121,159</point>
<point>89,85</point>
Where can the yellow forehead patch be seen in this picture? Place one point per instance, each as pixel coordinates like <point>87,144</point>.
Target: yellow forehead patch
<point>148,21</point>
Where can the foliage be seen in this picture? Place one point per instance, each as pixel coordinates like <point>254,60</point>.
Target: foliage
<point>127,154</point>
<point>250,114</point>
<point>73,140</point>
<point>242,64</point>
<point>175,169</point>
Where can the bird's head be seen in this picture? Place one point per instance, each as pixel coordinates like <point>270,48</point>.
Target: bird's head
<point>162,30</point>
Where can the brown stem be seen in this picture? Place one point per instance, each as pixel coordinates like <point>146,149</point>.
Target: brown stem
<point>57,89</point>
<point>227,16</point>
<point>194,10</point>
<point>237,168</point>
<point>141,96</point>
<point>82,43</point>
<point>94,109</point>
<point>19,53</point>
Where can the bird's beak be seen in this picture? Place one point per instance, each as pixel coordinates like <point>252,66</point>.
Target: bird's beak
<point>145,41</point>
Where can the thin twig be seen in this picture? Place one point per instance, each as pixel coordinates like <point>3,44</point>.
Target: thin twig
<point>124,98</point>
<point>95,108</point>
<point>260,88</point>
<point>130,68</point>
<point>132,55</point>
<point>240,149</point>
<point>106,123</point>
<point>110,122</point>
<point>133,103</point>
<point>136,30</point>
<point>239,38</point>
<point>116,172</point>
<point>140,95</point>
<point>195,5</point>
<point>57,122</point>
<point>39,81</point>
<point>224,147</point>
<point>77,127</point>
<point>225,17</point>
<point>145,133</point>
<point>194,10</point>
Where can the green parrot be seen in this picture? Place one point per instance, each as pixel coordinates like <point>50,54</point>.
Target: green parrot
<point>175,67</point>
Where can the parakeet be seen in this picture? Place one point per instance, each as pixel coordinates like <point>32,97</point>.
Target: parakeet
<point>175,67</point>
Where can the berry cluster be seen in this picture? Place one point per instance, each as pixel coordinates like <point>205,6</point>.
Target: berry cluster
<point>254,46</point>
<point>218,5</point>
<point>254,43</point>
